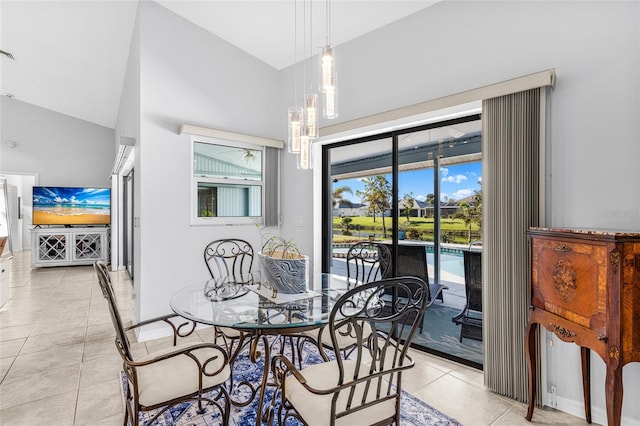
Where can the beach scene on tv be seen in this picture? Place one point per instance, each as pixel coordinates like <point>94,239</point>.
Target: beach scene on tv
<point>71,206</point>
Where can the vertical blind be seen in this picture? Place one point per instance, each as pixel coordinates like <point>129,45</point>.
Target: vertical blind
<point>511,194</point>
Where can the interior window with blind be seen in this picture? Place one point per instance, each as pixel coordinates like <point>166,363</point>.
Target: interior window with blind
<point>228,182</point>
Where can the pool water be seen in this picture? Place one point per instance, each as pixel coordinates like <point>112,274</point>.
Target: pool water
<point>450,261</point>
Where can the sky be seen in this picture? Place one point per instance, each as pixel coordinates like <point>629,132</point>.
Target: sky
<point>456,182</point>
<point>69,195</point>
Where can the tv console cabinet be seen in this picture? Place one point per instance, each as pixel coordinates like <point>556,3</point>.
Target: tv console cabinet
<point>69,246</point>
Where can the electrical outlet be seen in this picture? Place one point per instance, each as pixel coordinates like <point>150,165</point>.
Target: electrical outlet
<point>298,221</point>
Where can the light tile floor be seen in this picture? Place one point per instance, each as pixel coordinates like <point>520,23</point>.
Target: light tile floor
<point>59,366</point>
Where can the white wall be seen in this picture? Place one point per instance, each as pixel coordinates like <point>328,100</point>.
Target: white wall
<point>187,76</point>
<point>62,150</point>
<point>128,125</point>
<point>594,128</point>
<point>51,149</point>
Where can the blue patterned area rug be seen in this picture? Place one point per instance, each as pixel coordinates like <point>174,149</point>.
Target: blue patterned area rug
<point>414,412</point>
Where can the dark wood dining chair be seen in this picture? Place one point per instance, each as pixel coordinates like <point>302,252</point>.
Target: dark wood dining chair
<point>197,372</point>
<point>368,384</point>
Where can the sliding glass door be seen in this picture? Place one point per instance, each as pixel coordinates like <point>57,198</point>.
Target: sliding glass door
<point>417,191</point>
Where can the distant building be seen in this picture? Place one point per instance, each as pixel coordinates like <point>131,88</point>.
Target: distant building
<point>424,209</point>
<point>350,210</point>
<point>420,209</point>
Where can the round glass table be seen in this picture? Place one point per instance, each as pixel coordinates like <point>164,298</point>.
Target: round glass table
<point>246,304</point>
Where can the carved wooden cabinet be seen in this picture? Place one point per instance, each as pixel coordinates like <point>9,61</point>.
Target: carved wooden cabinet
<point>585,288</point>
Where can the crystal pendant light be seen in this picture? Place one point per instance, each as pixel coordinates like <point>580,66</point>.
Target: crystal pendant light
<point>303,121</point>
<point>304,159</point>
<point>295,128</point>
<point>311,114</point>
<point>330,100</point>
<point>328,84</point>
<point>294,113</point>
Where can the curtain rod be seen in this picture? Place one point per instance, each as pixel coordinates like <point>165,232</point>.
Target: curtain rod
<point>518,84</point>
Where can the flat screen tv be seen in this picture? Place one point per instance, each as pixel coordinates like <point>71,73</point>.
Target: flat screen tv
<point>63,205</point>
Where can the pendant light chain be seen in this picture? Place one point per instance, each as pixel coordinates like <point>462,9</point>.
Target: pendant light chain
<point>295,113</point>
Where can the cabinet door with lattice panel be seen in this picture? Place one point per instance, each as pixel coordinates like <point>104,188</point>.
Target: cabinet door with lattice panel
<point>52,247</point>
<point>88,246</point>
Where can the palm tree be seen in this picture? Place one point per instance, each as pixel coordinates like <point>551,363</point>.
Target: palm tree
<point>465,212</point>
<point>377,192</point>
<point>338,196</point>
<point>470,213</point>
<point>431,199</point>
<point>409,203</point>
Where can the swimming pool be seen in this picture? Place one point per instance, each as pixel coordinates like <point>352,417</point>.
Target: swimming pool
<point>451,263</point>
<point>451,260</point>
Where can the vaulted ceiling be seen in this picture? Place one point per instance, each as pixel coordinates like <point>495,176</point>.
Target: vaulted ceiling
<point>71,56</point>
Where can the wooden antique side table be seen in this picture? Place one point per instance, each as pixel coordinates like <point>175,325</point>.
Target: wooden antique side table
<point>585,288</point>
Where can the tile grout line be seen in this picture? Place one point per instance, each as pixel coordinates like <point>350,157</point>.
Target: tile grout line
<point>84,345</point>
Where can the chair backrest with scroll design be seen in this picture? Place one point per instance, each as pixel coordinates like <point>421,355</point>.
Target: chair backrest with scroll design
<point>229,258</point>
<point>367,262</point>
<point>367,384</point>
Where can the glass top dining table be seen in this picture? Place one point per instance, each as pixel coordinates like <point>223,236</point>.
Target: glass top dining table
<point>247,304</point>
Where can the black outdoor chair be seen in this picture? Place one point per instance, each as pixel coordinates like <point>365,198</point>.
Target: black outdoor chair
<point>412,262</point>
<point>470,318</point>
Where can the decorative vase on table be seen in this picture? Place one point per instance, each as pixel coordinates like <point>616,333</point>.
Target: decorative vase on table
<point>283,267</point>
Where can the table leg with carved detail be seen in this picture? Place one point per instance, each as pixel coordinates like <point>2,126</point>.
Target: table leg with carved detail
<point>531,355</point>
<point>530,350</point>
<point>613,390</point>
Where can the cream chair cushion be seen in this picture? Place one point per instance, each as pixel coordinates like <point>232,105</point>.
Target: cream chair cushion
<point>316,409</point>
<point>178,376</point>
<point>230,332</point>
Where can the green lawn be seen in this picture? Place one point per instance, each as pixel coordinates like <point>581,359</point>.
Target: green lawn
<point>418,228</point>
<point>415,222</point>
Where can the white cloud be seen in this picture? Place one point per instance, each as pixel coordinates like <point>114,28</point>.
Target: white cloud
<point>421,197</point>
<point>455,179</point>
<point>462,193</point>
<point>444,171</point>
